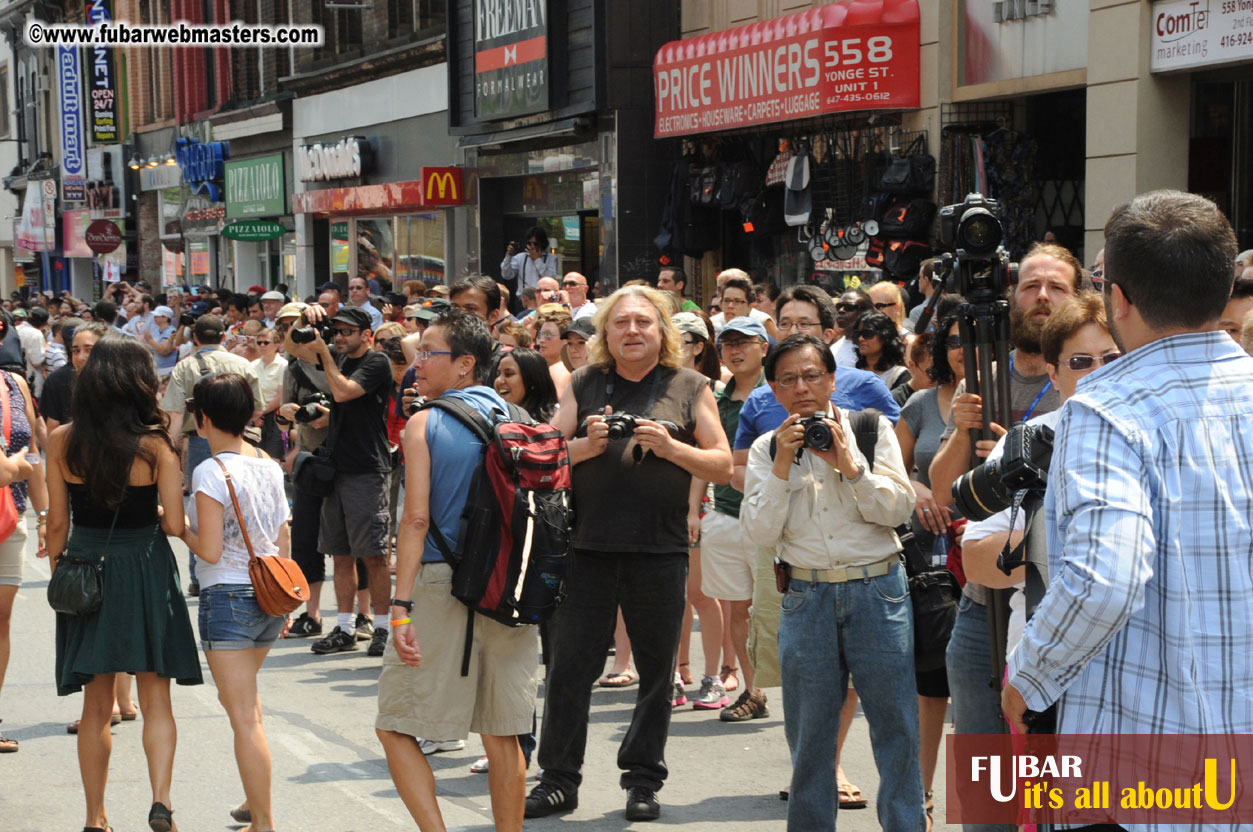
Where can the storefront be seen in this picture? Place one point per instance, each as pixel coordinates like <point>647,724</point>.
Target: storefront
<point>1212,44</point>
<point>256,189</point>
<point>786,128</point>
<point>376,199</point>
<point>551,112</point>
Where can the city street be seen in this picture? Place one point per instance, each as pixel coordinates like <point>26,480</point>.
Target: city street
<point>329,772</point>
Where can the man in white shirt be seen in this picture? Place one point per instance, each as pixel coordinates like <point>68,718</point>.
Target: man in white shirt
<point>30,331</point>
<point>575,286</point>
<point>525,268</point>
<point>139,316</point>
<point>738,306</point>
<point>851,306</point>
<point>359,296</point>
<point>831,515</point>
<point>271,302</point>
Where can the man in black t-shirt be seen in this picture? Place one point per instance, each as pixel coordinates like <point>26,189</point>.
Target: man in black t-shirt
<point>354,521</point>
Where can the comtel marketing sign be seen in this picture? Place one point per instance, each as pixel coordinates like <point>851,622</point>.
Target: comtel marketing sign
<point>849,55</point>
<point>1193,33</point>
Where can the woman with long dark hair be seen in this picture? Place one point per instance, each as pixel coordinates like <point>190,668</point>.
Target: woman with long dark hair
<point>521,377</point>
<point>106,470</point>
<point>880,348</point>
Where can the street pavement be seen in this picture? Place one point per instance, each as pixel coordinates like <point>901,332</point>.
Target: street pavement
<point>329,771</point>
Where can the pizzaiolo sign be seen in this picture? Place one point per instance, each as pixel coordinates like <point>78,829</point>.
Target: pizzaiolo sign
<point>350,157</point>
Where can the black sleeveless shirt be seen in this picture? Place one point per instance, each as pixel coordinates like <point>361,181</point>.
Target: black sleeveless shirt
<point>625,500</point>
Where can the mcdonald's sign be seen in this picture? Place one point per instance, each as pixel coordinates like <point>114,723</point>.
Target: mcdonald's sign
<point>442,186</point>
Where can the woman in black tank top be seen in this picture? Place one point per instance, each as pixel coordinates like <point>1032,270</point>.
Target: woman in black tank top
<point>107,469</point>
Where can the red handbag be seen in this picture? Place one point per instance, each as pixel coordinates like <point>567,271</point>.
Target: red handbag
<point>8,508</point>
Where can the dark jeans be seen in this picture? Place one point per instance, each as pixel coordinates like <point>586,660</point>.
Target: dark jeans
<point>271,436</point>
<point>197,452</point>
<point>306,514</point>
<point>652,592</point>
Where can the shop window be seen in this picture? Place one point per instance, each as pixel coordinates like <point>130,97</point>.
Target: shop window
<point>376,251</point>
<point>341,253</point>
<point>420,249</point>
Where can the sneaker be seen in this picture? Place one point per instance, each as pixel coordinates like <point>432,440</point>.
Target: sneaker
<point>378,643</point>
<point>680,695</point>
<point>642,804</point>
<point>304,626</point>
<point>479,766</point>
<point>364,626</point>
<point>546,799</point>
<point>337,642</point>
<point>430,747</point>
<point>750,705</point>
<point>712,695</point>
<point>193,589</point>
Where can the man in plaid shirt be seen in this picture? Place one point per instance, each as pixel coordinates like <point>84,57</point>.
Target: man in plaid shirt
<point>1147,625</point>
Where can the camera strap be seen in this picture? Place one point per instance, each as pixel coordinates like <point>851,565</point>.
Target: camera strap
<point>647,412</point>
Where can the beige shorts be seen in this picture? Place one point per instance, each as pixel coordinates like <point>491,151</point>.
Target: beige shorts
<point>497,698</point>
<point>12,553</point>
<point>727,558</point>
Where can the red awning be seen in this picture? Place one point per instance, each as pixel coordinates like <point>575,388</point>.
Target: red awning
<point>440,187</point>
<point>849,55</point>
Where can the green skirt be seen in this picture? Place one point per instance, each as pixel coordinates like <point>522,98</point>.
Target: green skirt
<point>142,625</point>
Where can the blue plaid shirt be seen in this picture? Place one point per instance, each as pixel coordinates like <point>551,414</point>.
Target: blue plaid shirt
<point>1147,626</point>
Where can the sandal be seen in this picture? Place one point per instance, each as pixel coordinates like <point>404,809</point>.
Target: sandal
<point>729,680</point>
<point>685,675</point>
<point>618,680</point>
<point>160,818</point>
<point>241,814</point>
<point>7,745</point>
<point>930,807</point>
<point>785,792</point>
<point>115,719</point>
<point>851,797</point>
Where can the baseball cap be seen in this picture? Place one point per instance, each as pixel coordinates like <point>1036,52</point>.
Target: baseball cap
<point>329,286</point>
<point>394,298</point>
<point>691,324</point>
<point>164,312</point>
<point>199,308</point>
<point>428,309</point>
<point>745,326</point>
<point>278,296</point>
<point>582,326</point>
<point>255,290</point>
<point>291,310</point>
<point>19,312</point>
<point>353,316</point>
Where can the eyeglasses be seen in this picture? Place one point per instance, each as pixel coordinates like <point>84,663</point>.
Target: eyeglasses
<point>346,330</point>
<point>810,379</point>
<point>882,306</point>
<point>866,334</point>
<point>848,307</point>
<point>1082,361</point>
<point>738,343</point>
<point>1098,272</point>
<point>572,283</point>
<point>264,343</point>
<point>953,342</point>
<point>425,355</point>
<point>532,244</point>
<point>793,325</point>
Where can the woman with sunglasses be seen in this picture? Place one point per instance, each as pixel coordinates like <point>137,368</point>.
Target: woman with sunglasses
<point>520,269</point>
<point>270,368</point>
<point>880,348</point>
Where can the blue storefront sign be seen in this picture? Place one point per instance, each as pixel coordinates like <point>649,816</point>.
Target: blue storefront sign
<point>73,175</point>
<point>203,165</point>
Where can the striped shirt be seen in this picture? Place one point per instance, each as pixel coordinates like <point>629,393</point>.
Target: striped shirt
<point>1147,626</point>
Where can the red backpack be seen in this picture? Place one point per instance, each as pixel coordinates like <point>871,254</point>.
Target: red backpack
<point>513,552</point>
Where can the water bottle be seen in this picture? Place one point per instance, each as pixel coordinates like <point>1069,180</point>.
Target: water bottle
<point>939,551</point>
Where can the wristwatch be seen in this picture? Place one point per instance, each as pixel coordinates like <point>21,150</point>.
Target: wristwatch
<point>408,605</point>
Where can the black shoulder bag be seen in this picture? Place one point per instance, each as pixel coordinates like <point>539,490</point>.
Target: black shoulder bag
<point>314,472</point>
<point>76,587</point>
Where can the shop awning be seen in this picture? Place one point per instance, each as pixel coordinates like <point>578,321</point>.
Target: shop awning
<point>441,187</point>
<point>849,55</point>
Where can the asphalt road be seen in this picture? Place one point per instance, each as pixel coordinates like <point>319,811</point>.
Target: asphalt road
<point>329,771</point>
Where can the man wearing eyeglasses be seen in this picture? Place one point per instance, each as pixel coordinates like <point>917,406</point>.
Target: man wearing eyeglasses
<point>355,518</point>
<point>520,269</point>
<point>846,609</point>
<point>888,298</point>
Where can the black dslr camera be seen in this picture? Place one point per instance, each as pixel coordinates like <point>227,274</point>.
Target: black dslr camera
<point>1024,466</point>
<point>308,411</point>
<point>306,334</point>
<point>817,433</point>
<point>186,319</point>
<point>973,230</point>
<point>623,425</point>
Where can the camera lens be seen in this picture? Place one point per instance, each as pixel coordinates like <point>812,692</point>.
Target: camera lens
<point>980,493</point>
<point>979,232</point>
<point>818,436</point>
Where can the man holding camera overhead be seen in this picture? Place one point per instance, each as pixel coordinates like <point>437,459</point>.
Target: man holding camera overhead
<point>640,427</point>
<point>811,493</point>
<point>354,519</point>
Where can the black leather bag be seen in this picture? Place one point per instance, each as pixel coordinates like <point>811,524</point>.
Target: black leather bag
<point>77,584</point>
<point>935,593</point>
<point>912,173</point>
<point>314,473</point>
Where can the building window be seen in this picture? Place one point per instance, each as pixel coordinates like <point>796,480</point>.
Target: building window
<point>4,101</point>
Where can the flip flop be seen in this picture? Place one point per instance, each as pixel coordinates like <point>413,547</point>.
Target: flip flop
<point>851,797</point>
<point>619,680</point>
<point>129,717</point>
<point>114,719</point>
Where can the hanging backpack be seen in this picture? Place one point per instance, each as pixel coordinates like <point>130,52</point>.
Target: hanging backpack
<point>513,552</point>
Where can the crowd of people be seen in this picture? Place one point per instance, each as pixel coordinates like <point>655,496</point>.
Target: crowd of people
<point>781,445</point>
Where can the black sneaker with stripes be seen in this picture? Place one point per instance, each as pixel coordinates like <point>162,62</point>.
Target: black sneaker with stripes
<point>547,799</point>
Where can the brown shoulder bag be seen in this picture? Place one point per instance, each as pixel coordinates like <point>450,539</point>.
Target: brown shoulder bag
<point>278,581</point>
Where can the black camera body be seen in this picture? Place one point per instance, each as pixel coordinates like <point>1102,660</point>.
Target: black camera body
<point>817,433</point>
<point>308,411</point>
<point>186,319</point>
<point>972,229</point>
<point>306,334</point>
<point>623,425</point>
<point>1024,466</point>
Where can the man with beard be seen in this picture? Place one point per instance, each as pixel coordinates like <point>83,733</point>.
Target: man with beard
<point>1047,276</point>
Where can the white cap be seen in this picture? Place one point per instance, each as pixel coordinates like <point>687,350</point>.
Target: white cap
<point>164,312</point>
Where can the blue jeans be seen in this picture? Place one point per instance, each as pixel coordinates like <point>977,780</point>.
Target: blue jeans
<point>973,685</point>
<point>197,452</point>
<point>827,631</point>
<point>230,619</point>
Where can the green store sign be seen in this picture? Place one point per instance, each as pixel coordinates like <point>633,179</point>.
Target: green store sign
<point>256,187</point>
<point>254,231</point>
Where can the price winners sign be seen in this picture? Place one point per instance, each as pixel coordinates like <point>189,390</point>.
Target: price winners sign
<point>836,58</point>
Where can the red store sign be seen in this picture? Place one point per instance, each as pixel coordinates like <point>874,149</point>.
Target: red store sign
<point>849,55</point>
<point>438,188</point>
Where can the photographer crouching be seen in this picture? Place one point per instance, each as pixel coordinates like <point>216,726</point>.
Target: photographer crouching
<point>640,427</point>
<point>811,493</point>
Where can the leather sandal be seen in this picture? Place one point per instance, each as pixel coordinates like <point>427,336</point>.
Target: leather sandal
<point>160,818</point>
<point>7,744</point>
<point>685,672</point>
<point>114,719</point>
<point>729,680</point>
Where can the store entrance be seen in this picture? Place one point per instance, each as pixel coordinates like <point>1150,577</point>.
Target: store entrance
<point>575,238</point>
<point>1219,155</point>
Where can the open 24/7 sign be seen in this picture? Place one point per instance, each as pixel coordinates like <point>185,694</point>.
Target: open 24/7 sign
<point>849,55</point>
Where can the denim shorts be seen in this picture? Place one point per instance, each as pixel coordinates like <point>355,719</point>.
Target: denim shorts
<point>231,620</point>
